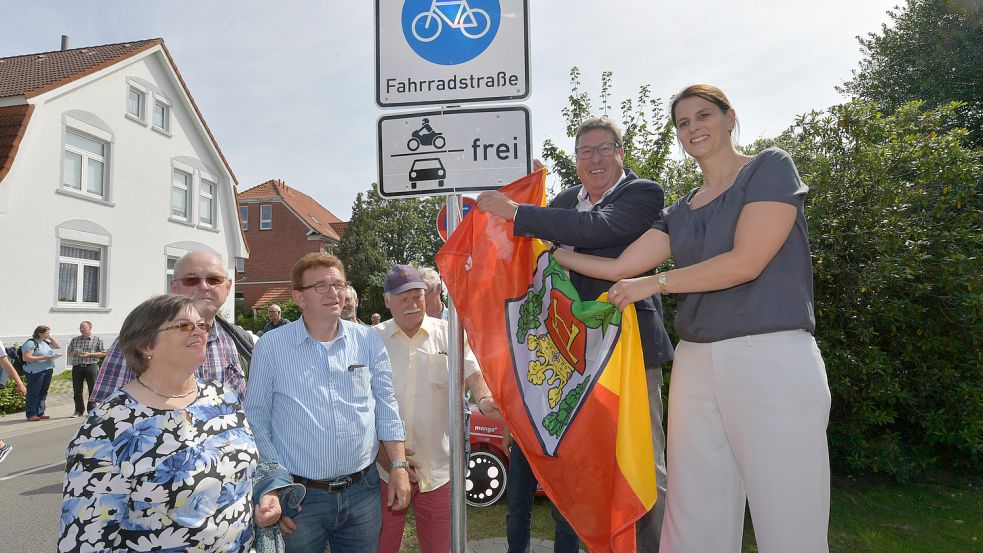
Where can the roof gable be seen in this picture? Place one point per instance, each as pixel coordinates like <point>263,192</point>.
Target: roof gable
<point>313,214</point>
<point>33,74</point>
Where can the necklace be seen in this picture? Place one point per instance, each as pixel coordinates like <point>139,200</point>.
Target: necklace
<point>179,396</point>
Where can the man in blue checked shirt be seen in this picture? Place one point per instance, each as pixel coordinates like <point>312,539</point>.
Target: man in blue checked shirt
<point>320,401</point>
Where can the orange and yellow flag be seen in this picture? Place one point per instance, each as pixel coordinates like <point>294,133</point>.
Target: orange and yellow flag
<point>566,372</point>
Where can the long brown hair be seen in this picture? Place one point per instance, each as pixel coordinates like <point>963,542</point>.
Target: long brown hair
<point>708,92</point>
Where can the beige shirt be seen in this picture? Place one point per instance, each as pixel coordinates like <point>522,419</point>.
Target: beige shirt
<point>421,378</point>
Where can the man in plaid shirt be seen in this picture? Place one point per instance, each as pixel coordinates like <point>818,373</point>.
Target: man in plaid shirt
<point>84,353</point>
<point>200,274</point>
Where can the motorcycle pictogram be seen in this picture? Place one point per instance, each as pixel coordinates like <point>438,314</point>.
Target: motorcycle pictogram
<point>425,136</point>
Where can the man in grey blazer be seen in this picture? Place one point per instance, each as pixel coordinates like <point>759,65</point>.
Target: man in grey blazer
<point>602,216</point>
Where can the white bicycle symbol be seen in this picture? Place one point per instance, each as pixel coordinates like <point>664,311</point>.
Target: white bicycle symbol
<point>467,19</point>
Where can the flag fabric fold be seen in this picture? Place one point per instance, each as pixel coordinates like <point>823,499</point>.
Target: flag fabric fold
<point>567,372</point>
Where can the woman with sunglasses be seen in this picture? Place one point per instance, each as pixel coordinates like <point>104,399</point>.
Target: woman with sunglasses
<point>748,401</point>
<point>166,463</point>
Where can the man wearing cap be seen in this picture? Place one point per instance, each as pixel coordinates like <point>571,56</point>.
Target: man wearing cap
<point>320,402</point>
<point>418,346</point>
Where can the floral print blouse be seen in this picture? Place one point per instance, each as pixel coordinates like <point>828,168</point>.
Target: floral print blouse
<point>145,479</point>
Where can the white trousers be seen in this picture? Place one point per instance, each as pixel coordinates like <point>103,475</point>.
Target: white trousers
<point>747,421</point>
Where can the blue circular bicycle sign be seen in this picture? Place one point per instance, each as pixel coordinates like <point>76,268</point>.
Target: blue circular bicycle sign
<point>450,32</point>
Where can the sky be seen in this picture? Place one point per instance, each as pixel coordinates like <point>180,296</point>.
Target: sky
<point>288,87</point>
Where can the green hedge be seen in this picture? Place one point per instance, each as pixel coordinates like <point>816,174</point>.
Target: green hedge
<point>10,400</point>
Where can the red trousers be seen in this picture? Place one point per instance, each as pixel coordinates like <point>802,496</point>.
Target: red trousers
<point>432,511</point>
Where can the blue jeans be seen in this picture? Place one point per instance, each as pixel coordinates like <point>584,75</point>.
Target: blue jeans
<point>521,492</point>
<point>37,392</point>
<point>350,520</point>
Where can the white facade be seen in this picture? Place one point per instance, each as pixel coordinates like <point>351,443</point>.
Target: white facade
<point>94,252</point>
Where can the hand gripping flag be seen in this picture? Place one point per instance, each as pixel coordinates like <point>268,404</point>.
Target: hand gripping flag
<point>566,372</point>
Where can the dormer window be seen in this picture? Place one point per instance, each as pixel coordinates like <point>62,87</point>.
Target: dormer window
<point>136,103</point>
<point>162,116</point>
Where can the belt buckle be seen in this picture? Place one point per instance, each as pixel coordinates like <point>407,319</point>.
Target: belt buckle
<point>339,485</point>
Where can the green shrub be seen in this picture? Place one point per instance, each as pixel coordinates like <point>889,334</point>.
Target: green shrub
<point>10,400</point>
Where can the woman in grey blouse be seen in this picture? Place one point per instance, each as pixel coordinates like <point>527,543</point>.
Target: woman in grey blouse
<point>748,402</point>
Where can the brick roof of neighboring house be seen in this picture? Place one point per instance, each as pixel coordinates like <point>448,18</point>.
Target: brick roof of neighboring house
<point>278,294</point>
<point>30,75</point>
<point>313,214</point>
<point>13,123</point>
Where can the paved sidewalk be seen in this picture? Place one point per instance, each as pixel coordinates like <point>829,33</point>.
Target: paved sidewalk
<point>499,545</point>
<point>59,406</point>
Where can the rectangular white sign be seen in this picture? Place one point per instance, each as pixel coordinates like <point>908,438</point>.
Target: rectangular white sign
<point>453,151</point>
<point>451,51</point>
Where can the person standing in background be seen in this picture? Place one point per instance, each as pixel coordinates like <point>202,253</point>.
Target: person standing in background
<point>39,364</point>
<point>84,353</point>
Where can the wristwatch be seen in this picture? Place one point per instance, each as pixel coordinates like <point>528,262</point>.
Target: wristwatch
<point>662,284</point>
<point>399,465</point>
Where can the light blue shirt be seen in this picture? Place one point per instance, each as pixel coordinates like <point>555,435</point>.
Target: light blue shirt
<point>320,411</point>
<point>43,348</point>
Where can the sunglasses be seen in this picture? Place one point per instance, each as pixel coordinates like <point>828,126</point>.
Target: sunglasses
<point>188,326</point>
<point>212,280</point>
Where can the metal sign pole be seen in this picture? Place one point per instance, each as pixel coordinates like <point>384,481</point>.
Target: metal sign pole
<point>459,520</point>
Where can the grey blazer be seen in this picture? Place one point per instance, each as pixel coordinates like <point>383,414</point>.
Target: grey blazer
<point>606,230</point>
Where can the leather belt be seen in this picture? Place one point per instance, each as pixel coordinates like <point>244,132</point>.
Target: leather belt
<point>333,486</point>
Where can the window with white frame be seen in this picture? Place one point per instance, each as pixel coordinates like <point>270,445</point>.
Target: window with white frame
<point>240,265</point>
<point>81,271</point>
<point>206,203</point>
<point>265,217</point>
<point>162,116</point>
<point>84,164</point>
<point>136,102</point>
<point>169,266</point>
<point>244,217</point>
<point>180,195</point>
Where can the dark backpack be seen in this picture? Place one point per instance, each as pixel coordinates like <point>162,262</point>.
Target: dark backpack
<point>16,355</point>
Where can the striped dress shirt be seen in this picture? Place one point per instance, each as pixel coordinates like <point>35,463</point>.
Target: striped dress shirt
<point>320,410</point>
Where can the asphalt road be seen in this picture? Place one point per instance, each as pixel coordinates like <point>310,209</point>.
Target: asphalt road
<point>31,479</point>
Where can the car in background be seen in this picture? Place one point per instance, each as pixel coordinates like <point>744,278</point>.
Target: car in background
<point>486,475</point>
<point>488,465</point>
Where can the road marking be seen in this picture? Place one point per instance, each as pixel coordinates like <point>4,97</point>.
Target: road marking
<point>31,471</point>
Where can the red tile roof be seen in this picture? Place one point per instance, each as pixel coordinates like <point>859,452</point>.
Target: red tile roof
<point>33,74</point>
<point>278,294</point>
<point>313,214</point>
<point>13,123</point>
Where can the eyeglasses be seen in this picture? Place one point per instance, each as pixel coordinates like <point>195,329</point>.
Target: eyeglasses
<point>606,149</point>
<point>212,280</point>
<point>188,326</point>
<point>338,286</point>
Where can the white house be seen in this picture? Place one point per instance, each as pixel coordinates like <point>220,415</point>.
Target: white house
<point>108,174</point>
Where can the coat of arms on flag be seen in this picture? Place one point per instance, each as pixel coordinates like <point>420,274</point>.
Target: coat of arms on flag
<point>559,345</point>
<point>567,372</point>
